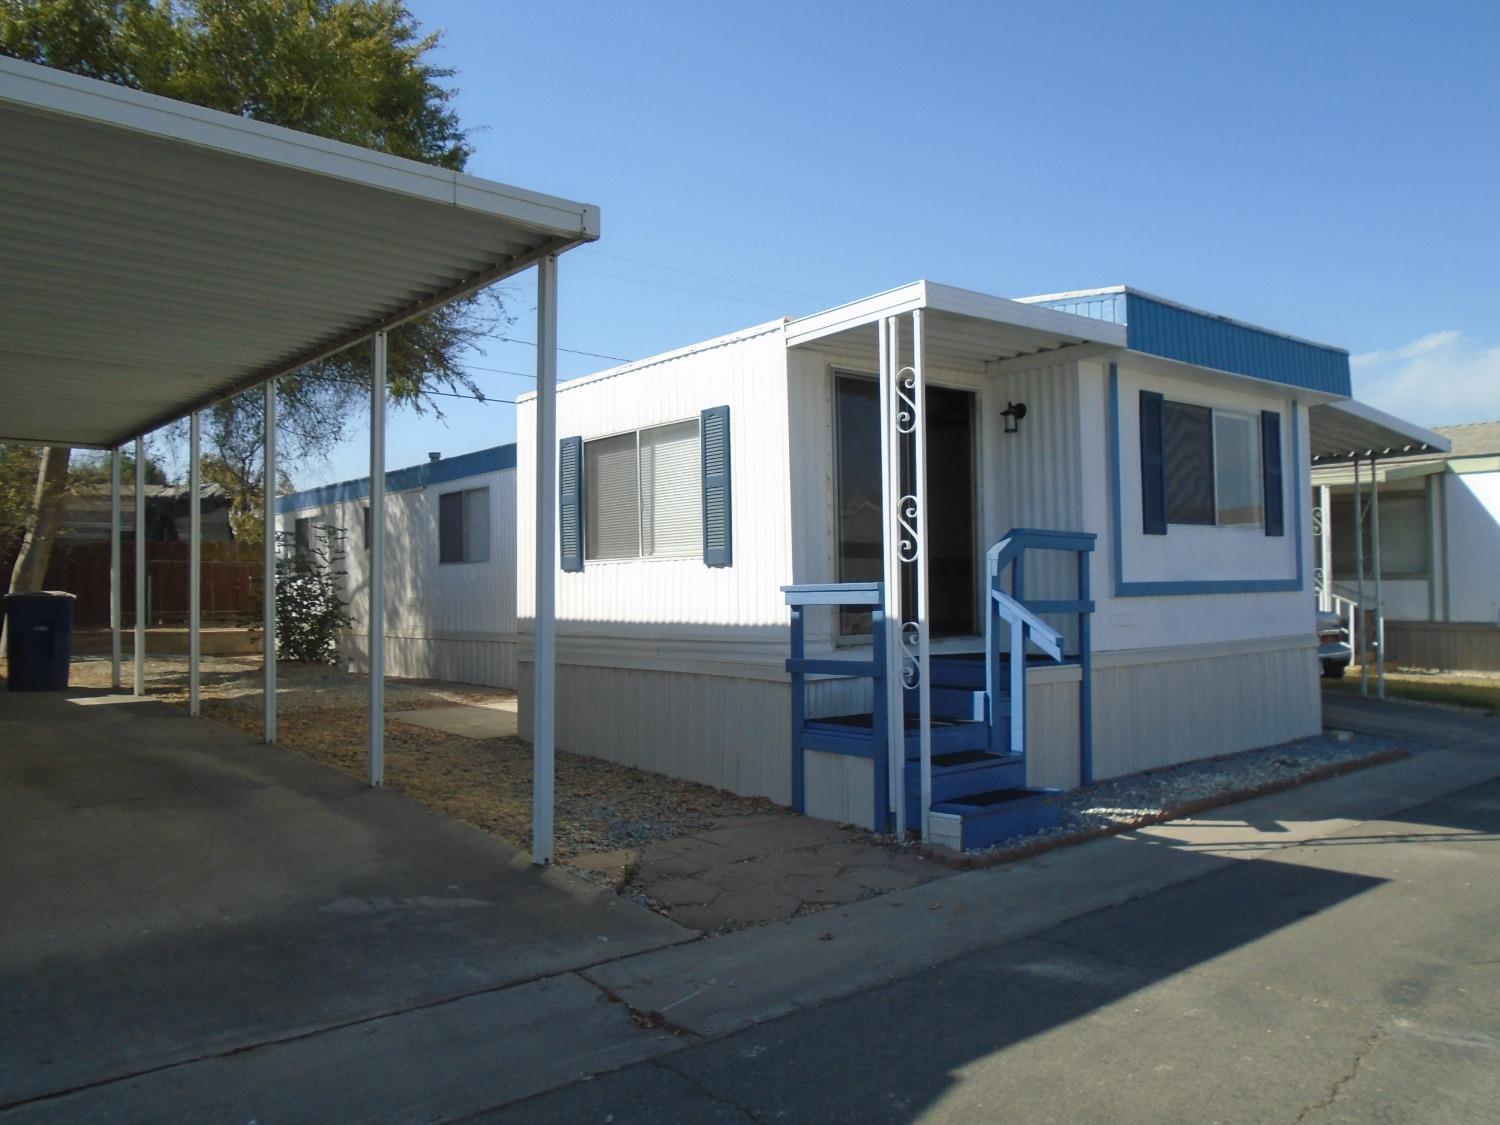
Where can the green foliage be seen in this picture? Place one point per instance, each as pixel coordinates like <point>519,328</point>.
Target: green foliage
<point>18,464</point>
<point>310,607</point>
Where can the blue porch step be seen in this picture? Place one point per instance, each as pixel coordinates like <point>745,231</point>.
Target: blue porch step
<point>854,734</point>
<point>983,819</point>
<point>956,776</point>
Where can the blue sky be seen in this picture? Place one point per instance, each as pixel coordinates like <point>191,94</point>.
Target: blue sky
<point>1329,170</point>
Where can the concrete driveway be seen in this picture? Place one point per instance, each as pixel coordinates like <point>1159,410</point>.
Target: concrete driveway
<point>173,892</point>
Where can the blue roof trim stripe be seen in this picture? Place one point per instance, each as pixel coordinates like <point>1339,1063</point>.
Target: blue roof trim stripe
<point>497,459</point>
<point>1205,341</point>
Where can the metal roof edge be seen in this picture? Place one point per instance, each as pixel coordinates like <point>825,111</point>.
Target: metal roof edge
<point>662,357</point>
<point>1131,290</point>
<point>46,89</point>
<point>476,463</point>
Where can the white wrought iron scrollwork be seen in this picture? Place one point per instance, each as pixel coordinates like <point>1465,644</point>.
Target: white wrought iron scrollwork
<point>908,515</point>
<point>911,668</point>
<point>906,400</point>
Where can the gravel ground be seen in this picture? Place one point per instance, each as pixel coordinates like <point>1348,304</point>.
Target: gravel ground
<point>1130,799</point>
<point>321,713</point>
<point>604,807</point>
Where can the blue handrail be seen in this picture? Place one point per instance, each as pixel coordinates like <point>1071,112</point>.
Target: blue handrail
<point>1010,552</point>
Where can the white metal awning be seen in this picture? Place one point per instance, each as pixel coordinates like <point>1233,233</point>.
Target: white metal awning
<point>1344,431</point>
<point>160,256</point>
<point>961,327</point>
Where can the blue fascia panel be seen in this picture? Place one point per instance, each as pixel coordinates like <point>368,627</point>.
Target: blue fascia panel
<point>1172,332</point>
<point>494,460</point>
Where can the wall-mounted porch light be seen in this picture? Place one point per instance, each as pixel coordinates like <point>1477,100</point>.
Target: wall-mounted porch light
<point>1013,413</point>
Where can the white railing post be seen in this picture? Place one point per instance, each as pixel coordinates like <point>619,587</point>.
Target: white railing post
<point>890,497</point>
<point>917,530</point>
<point>1325,547</point>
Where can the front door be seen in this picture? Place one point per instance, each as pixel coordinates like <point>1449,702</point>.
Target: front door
<point>951,503</point>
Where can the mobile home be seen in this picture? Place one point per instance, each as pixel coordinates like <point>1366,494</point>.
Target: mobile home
<point>904,481</point>
<point>1438,521</point>
<point>450,564</point>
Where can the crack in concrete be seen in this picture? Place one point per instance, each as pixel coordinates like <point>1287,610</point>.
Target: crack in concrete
<point>1336,1090</point>
<point>698,1085</point>
<point>644,1020</point>
<point>341,1025</point>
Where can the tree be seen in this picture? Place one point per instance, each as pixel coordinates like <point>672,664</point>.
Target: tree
<point>351,70</point>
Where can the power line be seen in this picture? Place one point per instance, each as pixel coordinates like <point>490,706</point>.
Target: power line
<point>570,351</point>
<point>680,289</point>
<point>591,252</point>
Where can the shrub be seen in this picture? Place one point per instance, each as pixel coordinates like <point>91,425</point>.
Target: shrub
<point>310,609</point>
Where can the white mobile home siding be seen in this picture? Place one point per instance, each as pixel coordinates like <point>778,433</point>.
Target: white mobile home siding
<point>449,621</point>
<point>669,664</point>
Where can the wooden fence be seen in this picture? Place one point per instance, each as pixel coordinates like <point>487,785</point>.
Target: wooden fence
<point>230,571</point>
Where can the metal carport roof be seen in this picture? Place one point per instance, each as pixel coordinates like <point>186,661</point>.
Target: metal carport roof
<point>1350,429</point>
<point>160,256</point>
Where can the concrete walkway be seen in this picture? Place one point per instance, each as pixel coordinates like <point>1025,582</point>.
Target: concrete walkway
<point>1229,967</point>
<point>175,895</point>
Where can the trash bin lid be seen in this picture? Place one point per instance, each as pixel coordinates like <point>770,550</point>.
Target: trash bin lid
<point>38,595</point>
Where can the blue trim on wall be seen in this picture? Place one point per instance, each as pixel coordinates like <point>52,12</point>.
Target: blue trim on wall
<point>481,461</point>
<point>1123,589</point>
<point>1207,341</point>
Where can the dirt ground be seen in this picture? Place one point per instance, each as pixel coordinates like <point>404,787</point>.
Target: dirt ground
<point>321,712</point>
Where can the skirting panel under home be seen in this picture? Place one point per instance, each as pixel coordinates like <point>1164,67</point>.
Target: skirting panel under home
<point>469,660</point>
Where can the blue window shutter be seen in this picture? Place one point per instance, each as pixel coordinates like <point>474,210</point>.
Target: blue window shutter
<point>1153,475</point>
<point>570,502</point>
<point>718,531</point>
<point>1270,467</point>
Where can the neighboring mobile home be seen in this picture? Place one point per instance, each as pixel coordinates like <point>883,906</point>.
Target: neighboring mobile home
<point>1160,466</point>
<point>450,562</point>
<point>1439,518</point>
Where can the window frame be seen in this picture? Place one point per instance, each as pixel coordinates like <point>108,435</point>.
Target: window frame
<point>1257,475</point>
<point>591,494</point>
<point>470,557</point>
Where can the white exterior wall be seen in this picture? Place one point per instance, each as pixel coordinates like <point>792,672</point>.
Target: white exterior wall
<point>448,621</point>
<point>1473,514</point>
<point>669,664</point>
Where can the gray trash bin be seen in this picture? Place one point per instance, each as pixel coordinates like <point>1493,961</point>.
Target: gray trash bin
<point>39,640</point>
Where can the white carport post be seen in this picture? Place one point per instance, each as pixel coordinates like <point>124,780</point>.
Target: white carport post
<point>1359,571</point>
<point>544,669</point>
<point>890,498</point>
<point>139,679</point>
<point>114,568</point>
<point>1379,599</point>
<point>377,561</point>
<point>195,559</point>
<point>268,598</point>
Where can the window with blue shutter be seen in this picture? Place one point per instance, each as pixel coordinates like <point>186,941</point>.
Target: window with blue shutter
<point>570,502</point>
<point>1270,467</point>
<point>718,534</point>
<point>1153,474</point>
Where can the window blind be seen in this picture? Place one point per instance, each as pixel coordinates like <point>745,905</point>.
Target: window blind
<point>671,490</point>
<point>613,525</point>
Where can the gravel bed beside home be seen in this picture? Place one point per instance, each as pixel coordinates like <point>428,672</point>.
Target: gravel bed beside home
<point>1139,797</point>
